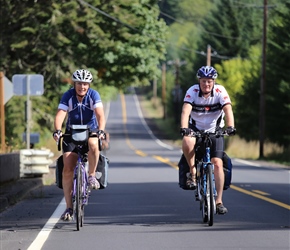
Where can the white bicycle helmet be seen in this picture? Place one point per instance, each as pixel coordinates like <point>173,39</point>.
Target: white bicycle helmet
<point>82,75</point>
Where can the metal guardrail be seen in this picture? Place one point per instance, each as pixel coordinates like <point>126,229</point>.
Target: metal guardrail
<point>34,162</point>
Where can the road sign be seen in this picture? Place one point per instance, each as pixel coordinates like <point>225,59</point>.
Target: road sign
<point>8,89</point>
<point>34,137</point>
<point>35,83</point>
<point>29,85</point>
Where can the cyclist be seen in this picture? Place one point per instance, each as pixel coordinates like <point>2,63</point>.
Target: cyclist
<point>204,107</point>
<point>83,106</point>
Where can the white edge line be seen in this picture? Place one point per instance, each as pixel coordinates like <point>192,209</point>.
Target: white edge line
<point>248,163</point>
<point>45,231</point>
<point>162,144</point>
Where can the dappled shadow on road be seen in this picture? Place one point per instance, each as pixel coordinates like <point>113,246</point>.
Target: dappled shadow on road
<point>160,204</point>
<point>271,167</point>
<point>166,204</point>
<point>131,164</point>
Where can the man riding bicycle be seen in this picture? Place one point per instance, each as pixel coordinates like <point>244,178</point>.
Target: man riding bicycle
<point>83,106</point>
<point>205,105</point>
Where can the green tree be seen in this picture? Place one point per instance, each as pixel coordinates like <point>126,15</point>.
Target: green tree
<point>120,41</point>
<point>230,29</point>
<point>183,36</point>
<point>278,77</point>
<point>241,77</point>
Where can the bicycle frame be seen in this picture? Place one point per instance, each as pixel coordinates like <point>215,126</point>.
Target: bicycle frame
<point>206,186</point>
<point>80,192</point>
<point>84,182</point>
<point>207,163</point>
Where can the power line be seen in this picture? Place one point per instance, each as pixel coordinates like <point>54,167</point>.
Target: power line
<point>202,30</point>
<point>107,15</point>
<point>130,27</point>
<point>165,14</point>
<point>215,34</point>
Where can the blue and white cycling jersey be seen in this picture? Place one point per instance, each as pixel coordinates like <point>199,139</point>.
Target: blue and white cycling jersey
<point>81,113</point>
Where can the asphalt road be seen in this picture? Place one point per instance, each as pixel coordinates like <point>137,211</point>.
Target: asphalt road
<point>144,208</point>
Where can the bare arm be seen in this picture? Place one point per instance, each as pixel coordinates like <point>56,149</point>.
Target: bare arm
<point>99,111</point>
<point>186,109</point>
<point>59,118</point>
<point>229,115</point>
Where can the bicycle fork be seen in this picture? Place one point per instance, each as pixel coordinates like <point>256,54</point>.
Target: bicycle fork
<point>202,180</point>
<point>85,187</point>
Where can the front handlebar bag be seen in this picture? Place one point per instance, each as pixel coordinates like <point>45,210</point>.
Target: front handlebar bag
<point>79,134</point>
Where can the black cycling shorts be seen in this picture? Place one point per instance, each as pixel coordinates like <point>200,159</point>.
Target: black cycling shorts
<point>69,146</point>
<point>217,145</point>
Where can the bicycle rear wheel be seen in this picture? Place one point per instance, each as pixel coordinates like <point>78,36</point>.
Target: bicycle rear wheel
<point>209,194</point>
<point>79,184</point>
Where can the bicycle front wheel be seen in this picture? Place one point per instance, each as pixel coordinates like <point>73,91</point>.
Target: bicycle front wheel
<point>210,194</point>
<point>202,199</point>
<point>79,184</point>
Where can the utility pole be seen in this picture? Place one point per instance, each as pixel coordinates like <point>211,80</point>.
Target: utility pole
<point>28,112</point>
<point>154,91</point>
<point>208,55</point>
<point>164,89</point>
<point>177,93</point>
<point>263,83</point>
<point>2,112</point>
<point>177,65</point>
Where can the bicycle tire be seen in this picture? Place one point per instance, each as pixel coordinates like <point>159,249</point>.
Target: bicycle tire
<point>202,204</point>
<point>210,194</point>
<point>84,196</point>
<point>204,211</point>
<point>78,197</point>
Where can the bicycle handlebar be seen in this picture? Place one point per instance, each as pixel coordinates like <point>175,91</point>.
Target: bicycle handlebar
<point>58,143</point>
<point>201,134</point>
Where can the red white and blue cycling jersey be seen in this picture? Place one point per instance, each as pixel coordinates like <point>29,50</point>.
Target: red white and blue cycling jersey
<point>207,113</point>
<point>81,113</point>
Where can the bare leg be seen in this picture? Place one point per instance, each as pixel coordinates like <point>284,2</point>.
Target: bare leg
<point>219,178</point>
<point>93,155</point>
<point>188,151</point>
<point>69,160</point>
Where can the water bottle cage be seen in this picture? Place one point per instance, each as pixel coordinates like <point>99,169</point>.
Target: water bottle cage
<point>85,157</point>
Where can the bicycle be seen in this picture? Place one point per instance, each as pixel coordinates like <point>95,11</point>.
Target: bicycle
<point>81,188</point>
<point>205,192</point>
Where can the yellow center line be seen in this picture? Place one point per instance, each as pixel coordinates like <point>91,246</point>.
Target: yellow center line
<point>256,193</point>
<point>141,153</point>
<point>278,203</point>
<point>165,160</point>
<point>260,192</point>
